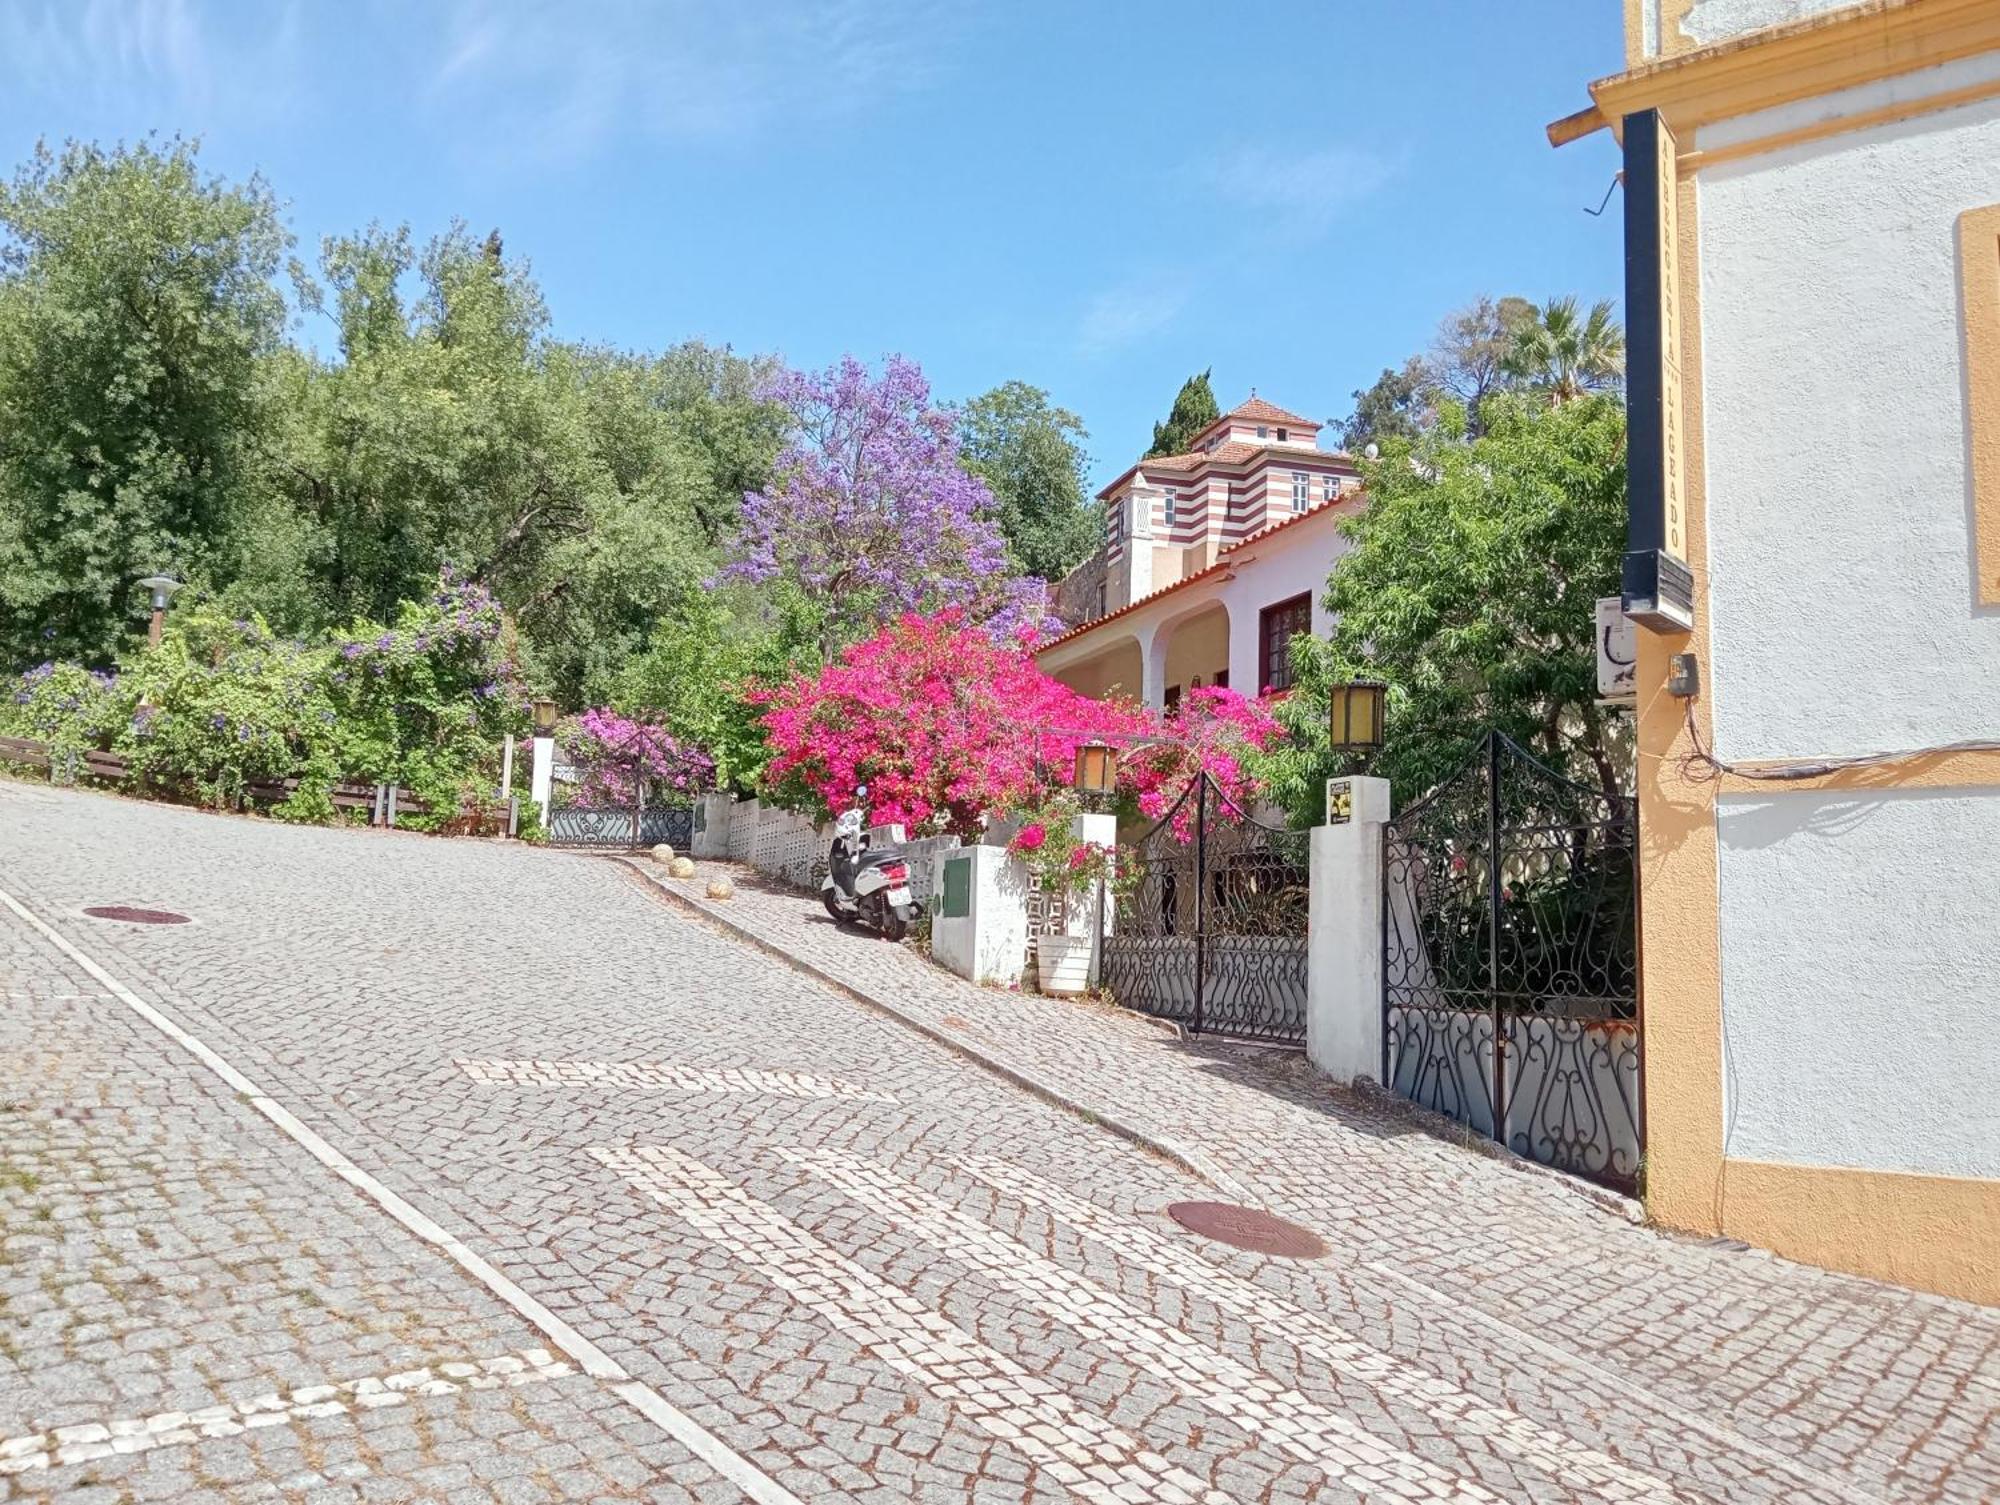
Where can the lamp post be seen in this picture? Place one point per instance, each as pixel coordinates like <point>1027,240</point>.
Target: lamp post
<point>1096,770</point>
<point>1095,780</point>
<point>1354,724</point>
<point>542,773</point>
<point>163,588</point>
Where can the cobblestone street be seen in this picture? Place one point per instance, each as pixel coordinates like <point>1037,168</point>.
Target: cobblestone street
<point>416,1169</point>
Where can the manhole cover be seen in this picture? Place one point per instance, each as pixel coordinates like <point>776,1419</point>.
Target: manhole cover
<point>1247,1228</point>
<point>133,916</point>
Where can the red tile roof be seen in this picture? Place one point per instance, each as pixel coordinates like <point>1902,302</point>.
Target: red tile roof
<point>1255,410</point>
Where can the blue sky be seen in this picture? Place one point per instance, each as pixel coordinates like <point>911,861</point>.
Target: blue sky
<point>1095,197</point>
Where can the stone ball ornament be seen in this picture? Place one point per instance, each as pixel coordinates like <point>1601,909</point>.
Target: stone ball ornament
<point>681,867</point>
<point>663,854</point>
<point>721,888</point>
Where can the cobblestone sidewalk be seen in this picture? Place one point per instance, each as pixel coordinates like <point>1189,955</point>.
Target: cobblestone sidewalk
<point>1865,1389</point>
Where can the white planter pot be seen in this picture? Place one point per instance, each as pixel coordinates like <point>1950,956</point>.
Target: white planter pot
<point>1062,963</point>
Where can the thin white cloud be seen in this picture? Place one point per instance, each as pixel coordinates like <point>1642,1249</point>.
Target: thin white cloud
<point>164,56</point>
<point>1302,190</point>
<point>555,81</point>
<point>1130,311</point>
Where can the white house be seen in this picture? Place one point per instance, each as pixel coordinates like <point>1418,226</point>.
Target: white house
<point>1213,560</point>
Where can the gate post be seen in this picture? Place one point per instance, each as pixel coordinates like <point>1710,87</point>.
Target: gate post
<point>1200,899</point>
<point>1344,937</point>
<point>1493,888</point>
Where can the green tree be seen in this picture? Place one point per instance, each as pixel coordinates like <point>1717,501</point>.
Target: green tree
<point>1471,589</point>
<point>1399,405</point>
<point>581,484</point>
<point>1468,359</point>
<point>137,299</point>
<point>1194,409</point>
<point>1031,456</point>
<point>1565,353</point>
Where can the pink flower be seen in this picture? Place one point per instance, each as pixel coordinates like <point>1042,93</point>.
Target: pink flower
<point>1030,838</point>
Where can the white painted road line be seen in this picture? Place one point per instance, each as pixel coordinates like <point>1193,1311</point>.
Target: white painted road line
<point>1248,1398</point>
<point>1092,1458</point>
<point>1563,1458</point>
<point>90,1441</point>
<point>665,1076</point>
<point>756,1485</point>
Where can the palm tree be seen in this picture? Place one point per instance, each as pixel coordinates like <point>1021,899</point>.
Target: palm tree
<point>1567,354</point>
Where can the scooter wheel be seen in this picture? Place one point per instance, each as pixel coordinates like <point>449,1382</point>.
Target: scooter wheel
<point>895,927</point>
<point>833,907</point>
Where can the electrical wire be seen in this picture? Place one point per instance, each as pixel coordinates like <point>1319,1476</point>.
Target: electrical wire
<point>1700,766</point>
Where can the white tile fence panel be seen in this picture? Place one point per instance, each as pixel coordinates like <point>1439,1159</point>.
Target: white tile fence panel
<point>923,865</point>
<point>742,828</point>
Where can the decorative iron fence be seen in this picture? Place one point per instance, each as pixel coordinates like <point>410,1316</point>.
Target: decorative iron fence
<point>1510,962</point>
<point>616,799</point>
<point>1210,924</point>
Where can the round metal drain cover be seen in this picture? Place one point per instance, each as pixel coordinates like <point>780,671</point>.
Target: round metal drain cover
<point>133,916</point>
<point>1247,1228</point>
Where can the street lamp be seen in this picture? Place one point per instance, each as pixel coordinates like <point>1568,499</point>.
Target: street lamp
<point>163,588</point>
<point>1355,723</point>
<point>1096,769</point>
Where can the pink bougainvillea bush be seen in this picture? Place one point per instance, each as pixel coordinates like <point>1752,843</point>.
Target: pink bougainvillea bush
<point>1212,729</point>
<point>944,722</point>
<point>614,755</point>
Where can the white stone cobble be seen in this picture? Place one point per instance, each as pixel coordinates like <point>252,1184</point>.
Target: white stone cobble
<point>667,1076</point>
<point>1242,1395</point>
<point>1560,1457</point>
<point>1096,1460</point>
<point>89,1441</point>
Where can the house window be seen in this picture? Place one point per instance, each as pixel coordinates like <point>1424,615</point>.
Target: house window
<point>1103,598</point>
<point>1301,490</point>
<point>1263,432</point>
<point>1173,496</point>
<point>1221,680</point>
<point>1283,436</point>
<point>1276,627</point>
<point>1173,696</point>
<point>1329,488</point>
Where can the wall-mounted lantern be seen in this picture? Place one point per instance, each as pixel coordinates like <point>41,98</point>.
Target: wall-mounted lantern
<point>545,718</point>
<point>1355,723</point>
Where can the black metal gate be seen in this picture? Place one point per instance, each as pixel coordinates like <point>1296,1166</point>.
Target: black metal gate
<point>1510,968</point>
<point>611,799</point>
<point>1210,926</point>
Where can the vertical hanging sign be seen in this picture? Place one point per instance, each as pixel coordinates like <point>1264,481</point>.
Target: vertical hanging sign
<point>1658,588</point>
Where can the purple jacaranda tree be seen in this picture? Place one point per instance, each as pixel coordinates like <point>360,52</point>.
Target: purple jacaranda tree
<point>869,512</point>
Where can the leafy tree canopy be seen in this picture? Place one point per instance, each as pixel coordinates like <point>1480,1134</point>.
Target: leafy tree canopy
<point>1471,589</point>
<point>1562,352</point>
<point>1194,409</point>
<point>136,303</point>
<point>1030,454</point>
<point>870,511</point>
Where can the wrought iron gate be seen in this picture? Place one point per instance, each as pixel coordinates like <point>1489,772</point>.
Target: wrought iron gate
<point>1210,926</point>
<point>1509,956</point>
<point>613,800</point>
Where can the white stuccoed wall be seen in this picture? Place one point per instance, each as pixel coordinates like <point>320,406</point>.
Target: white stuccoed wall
<point>1860,932</point>
<point>1711,21</point>
<point>1834,406</point>
<point>1861,979</point>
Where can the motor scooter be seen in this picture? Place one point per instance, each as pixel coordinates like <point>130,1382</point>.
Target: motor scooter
<point>866,882</point>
